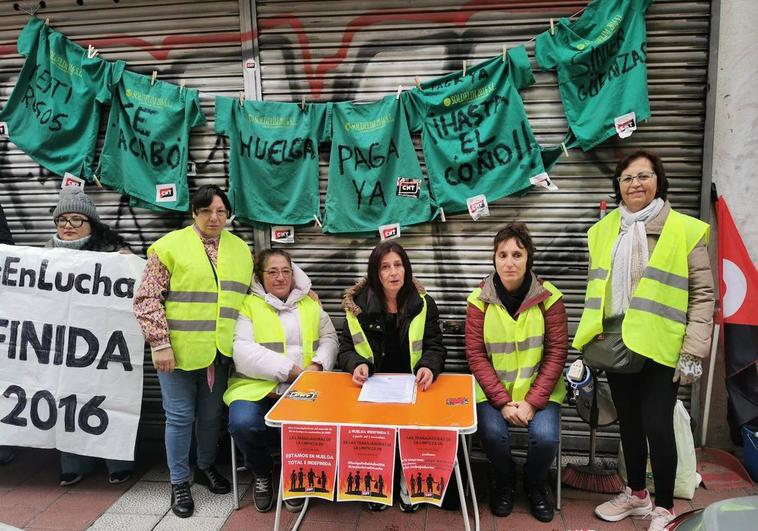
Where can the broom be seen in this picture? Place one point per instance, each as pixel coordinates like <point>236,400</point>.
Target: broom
<point>593,476</point>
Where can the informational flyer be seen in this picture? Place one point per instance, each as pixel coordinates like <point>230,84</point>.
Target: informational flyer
<point>366,464</point>
<point>427,457</point>
<point>309,461</point>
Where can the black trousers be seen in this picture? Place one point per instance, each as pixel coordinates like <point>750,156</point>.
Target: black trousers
<point>645,405</point>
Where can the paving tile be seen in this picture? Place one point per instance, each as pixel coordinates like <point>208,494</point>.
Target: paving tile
<point>125,522</point>
<point>211,505</point>
<point>325,511</point>
<point>248,518</point>
<point>144,498</point>
<point>65,518</point>
<point>580,514</point>
<point>171,522</point>
<point>393,519</point>
<point>31,495</point>
<point>17,516</point>
<point>526,521</point>
<point>705,497</point>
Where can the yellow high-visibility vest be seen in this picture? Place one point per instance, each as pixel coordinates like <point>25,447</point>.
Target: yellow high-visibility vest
<point>415,336</point>
<point>202,304</point>
<point>268,332</point>
<point>656,320</point>
<point>514,346</point>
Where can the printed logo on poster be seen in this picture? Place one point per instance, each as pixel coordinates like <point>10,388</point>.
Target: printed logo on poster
<point>477,206</point>
<point>165,193</point>
<point>626,124</point>
<point>4,129</point>
<point>387,232</point>
<point>69,179</point>
<point>283,234</point>
<point>407,187</point>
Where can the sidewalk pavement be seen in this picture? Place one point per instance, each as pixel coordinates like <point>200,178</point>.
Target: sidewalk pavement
<point>30,498</point>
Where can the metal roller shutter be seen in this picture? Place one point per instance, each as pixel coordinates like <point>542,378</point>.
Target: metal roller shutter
<point>198,41</point>
<point>348,50</point>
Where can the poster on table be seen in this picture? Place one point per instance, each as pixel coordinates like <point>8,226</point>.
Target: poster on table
<point>309,461</point>
<point>71,351</point>
<point>427,457</point>
<point>366,464</point>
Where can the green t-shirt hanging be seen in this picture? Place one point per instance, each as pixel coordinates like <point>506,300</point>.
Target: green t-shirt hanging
<point>53,114</point>
<point>273,170</point>
<point>474,131</point>
<point>601,62</point>
<point>146,143</point>
<point>374,174</point>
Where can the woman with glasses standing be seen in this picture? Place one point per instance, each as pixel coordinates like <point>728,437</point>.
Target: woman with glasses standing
<point>187,304</point>
<point>281,331</point>
<point>649,267</point>
<point>79,228</point>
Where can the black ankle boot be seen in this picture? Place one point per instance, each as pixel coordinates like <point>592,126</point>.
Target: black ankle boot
<point>501,498</point>
<point>181,500</point>
<point>539,502</point>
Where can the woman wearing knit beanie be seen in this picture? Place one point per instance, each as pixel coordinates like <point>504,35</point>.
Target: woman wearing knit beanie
<point>79,228</point>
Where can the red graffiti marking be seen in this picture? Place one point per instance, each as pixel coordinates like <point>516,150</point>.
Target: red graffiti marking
<point>315,73</point>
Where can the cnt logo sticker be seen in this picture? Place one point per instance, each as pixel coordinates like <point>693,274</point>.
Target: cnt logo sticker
<point>626,124</point>
<point>407,187</point>
<point>69,179</point>
<point>283,234</point>
<point>165,193</point>
<point>387,232</point>
<point>477,206</point>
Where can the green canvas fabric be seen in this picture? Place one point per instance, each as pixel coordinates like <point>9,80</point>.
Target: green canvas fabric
<point>273,170</point>
<point>146,145</point>
<point>475,133</point>
<point>375,177</point>
<point>601,64</point>
<point>53,113</point>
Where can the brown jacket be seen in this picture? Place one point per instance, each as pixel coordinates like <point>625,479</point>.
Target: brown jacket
<point>697,336</point>
<point>555,345</point>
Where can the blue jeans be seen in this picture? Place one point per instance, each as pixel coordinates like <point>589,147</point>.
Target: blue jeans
<point>187,401</point>
<point>82,464</point>
<point>544,431</point>
<point>247,426</point>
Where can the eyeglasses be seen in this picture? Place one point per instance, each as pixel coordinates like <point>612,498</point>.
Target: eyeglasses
<point>642,177</point>
<point>207,212</point>
<point>74,222</point>
<point>273,273</point>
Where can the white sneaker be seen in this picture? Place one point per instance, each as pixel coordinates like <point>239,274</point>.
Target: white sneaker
<point>660,518</point>
<point>623,505</point>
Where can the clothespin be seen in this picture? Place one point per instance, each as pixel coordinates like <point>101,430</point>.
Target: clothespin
<point>563,147</point>
<point>399,90</point>
<point>302,102</point>
<point>552,27</point>
<point>464,68</point>
<point>155,76</point>
<point>318,221</point>
<point>442,215</point>
<point>505,51</point>
<point>242,98</point>
<point>92,52</point>
<point>47,21</point>
<point>418,84</point>
<point>181,85</point>
<point>97,181</point>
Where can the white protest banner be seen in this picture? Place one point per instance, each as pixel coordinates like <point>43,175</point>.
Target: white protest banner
<point>71,351</point>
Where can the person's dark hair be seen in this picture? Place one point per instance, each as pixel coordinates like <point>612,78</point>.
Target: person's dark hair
<point>655,162</point>
<point>520,233</point>
<point>103,238</point>
<point>374,267</point>
<point>262,256</point>
<point>203,197</point>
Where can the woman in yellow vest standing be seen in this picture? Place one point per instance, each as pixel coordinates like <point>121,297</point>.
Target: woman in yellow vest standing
<point>281,331</point>
<point>516,346</point>
<point>391,325</point>
<point>192,289</point>
<point>648,266</point>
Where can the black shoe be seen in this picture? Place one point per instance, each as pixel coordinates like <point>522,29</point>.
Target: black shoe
<point>181,500</point>
<point>216,483</point>
<point>295,505</point>
<point>501,499</point>
<point>263,493</point>
<point>70,478</point>
<point>114,478</point>
<point>539,502</point>
<point>377,507</point>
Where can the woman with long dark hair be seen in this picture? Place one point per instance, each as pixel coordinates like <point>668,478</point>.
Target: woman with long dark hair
<point>392,325</point>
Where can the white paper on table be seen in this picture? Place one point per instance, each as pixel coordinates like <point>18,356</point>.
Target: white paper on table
<point>389,388</point>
